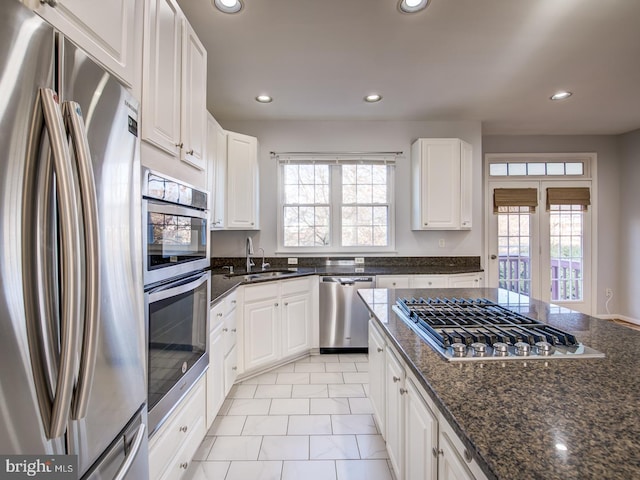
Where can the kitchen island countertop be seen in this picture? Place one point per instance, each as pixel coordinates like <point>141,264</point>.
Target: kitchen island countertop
<point>536,419</point>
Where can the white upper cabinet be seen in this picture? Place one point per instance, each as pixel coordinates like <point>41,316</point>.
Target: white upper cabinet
<point>109,31</point>
<point>242,199</point>
<point>174,116</point>
<point>217,172</point>
<point>441,172</point>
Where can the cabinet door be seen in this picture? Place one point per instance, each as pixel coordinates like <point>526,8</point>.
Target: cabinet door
<point>230,370</point>
<point>421,436</point>
<point>109,31</point>
<point>215,375</point>
<point>194,99</point>
<point>162,75</point>
<point>218,186</point>
<point>466,185</point>
<point>388,281</point>
<point>229,331</point>
<point>377,376</point>
<point>440,176</point>
<point>296,328</point>
<point>242,182</point>
<point>261,333</point>
<point>465,280</point>
<point>428,281</point>
<point>394,382</point>
<point>450,465</point>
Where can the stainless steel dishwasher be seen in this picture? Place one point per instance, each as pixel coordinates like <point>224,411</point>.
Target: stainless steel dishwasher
<point>343,316</point>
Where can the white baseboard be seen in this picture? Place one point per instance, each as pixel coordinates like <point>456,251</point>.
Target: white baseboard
<point>612,316</point>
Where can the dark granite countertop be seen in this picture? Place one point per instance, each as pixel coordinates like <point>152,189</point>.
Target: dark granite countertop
<point>222,284</point>
<point>517,416</point>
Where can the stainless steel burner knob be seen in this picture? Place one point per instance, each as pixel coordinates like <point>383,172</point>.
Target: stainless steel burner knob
<point>544,348</point>
<point>522,349</point>
<point>500,349</point>
<point>459,349</point>
<point>479,348</point>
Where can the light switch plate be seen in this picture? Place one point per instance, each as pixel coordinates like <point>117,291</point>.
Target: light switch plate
<point>359,260</point>
<point>292,261</point>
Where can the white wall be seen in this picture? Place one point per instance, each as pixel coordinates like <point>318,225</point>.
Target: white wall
<point>609,173</point>
<point>628,299</point>
<point>299,136</point>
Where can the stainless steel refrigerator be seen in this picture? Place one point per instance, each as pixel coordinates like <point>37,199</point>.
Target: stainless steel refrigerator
<point>72,337</point>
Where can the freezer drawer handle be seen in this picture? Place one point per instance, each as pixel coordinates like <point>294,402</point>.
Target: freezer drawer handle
<point>133,453</point>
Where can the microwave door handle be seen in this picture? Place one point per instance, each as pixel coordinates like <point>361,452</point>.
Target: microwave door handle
<point>89,201</point>
<point>133,453</point>
<point>167,291</point>
<point>69,262</point>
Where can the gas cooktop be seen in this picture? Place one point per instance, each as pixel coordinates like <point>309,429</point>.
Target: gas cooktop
<point>479,329</point>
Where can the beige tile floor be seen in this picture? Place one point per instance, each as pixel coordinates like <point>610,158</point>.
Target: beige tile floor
<point>308,420</point>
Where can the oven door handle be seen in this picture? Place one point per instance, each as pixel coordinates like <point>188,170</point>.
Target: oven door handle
<point>178,287</point>
<point>155,206</point>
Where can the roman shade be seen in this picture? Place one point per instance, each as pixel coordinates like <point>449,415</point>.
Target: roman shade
<point>569,196</point>
<point>515,197</point>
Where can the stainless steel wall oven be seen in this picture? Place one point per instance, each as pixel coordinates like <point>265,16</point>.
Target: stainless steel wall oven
<point>177,293</point>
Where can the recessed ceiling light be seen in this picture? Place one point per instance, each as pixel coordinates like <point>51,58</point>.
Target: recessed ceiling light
<point>373,98</point>
<point>264,99</point>
<point>412,6</point>
<point>560,95</point>
<point>228,6</point>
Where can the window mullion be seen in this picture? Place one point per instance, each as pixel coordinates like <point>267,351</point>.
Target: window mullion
<point>335,193</point>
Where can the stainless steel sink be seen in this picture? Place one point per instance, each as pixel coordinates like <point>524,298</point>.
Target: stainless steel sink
<point>258,275</point>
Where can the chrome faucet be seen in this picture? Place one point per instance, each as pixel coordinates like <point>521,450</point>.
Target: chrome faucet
<point>249,251</point>
<point>265,265</point>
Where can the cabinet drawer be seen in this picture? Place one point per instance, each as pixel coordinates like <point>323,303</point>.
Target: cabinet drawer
<point>173,435</point>
<point>386,281</point>
<point>429,281</point>
<point>178,466</point>
<point>216,314</point>
<point>299,285</point>
<point>260,292</point>
<point>230,302</point>
<point>229,332</point>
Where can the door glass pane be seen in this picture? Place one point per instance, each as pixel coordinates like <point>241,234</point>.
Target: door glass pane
<point>567,252</point>
<point>514,249</point>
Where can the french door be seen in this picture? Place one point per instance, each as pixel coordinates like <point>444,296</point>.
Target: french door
<point>543,251</point>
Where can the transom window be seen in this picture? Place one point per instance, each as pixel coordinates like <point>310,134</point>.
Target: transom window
<point>336,205</point>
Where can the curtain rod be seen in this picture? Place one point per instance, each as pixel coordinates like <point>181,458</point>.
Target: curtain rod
<point>275,154</point>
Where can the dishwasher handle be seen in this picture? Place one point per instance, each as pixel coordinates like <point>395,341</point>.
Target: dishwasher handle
<point>347,280</point>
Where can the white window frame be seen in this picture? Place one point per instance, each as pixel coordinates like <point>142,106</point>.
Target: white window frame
<point>335,204</point>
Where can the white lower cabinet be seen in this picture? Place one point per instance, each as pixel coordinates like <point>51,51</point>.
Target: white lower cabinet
<point>392,281</point>
<point>223,365</point>
<point>466,280</point>
<point>377,363</point>
<point>429,281</point>
<point>394,389</point>
<point>277,321</point>
<point>459,280</point>
<point>420,442</point>
<point>172,447</point>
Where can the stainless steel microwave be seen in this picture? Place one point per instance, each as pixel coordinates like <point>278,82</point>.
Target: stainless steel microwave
<point>175,228</point>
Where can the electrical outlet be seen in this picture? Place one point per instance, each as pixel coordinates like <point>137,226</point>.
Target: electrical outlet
<point>292,261</point>
<point>608,292</point>
<point>359,260</point>
<point>441,243</point>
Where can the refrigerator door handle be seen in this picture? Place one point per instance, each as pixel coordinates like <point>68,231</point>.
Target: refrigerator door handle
<point>135,448</point>
<point>77,132</point>
<point>69,261</point>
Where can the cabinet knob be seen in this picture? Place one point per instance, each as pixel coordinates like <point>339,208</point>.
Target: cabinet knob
<point>189,152</point>
<point>403,391</point>
<point>430,283</point>
<point>234,368</point>
<point>225,329</point>
<point>184,428</point>
<point>180,145</point>
<point>233,302</point>
<point>252,223</point>
<point>425,223</point>
<point>51,3</point>
<point>437,452</point>
<point>467,456</point>
<point>379,349</point>
<point>275,304</point>
<point>219,315</point>
<point>234,330</point>
<point>393,283</point>
<point>184,465</point>
<point>286,303</point>
<point>396,379</point>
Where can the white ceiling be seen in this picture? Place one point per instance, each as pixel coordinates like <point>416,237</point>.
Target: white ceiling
<point>496,61</point>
